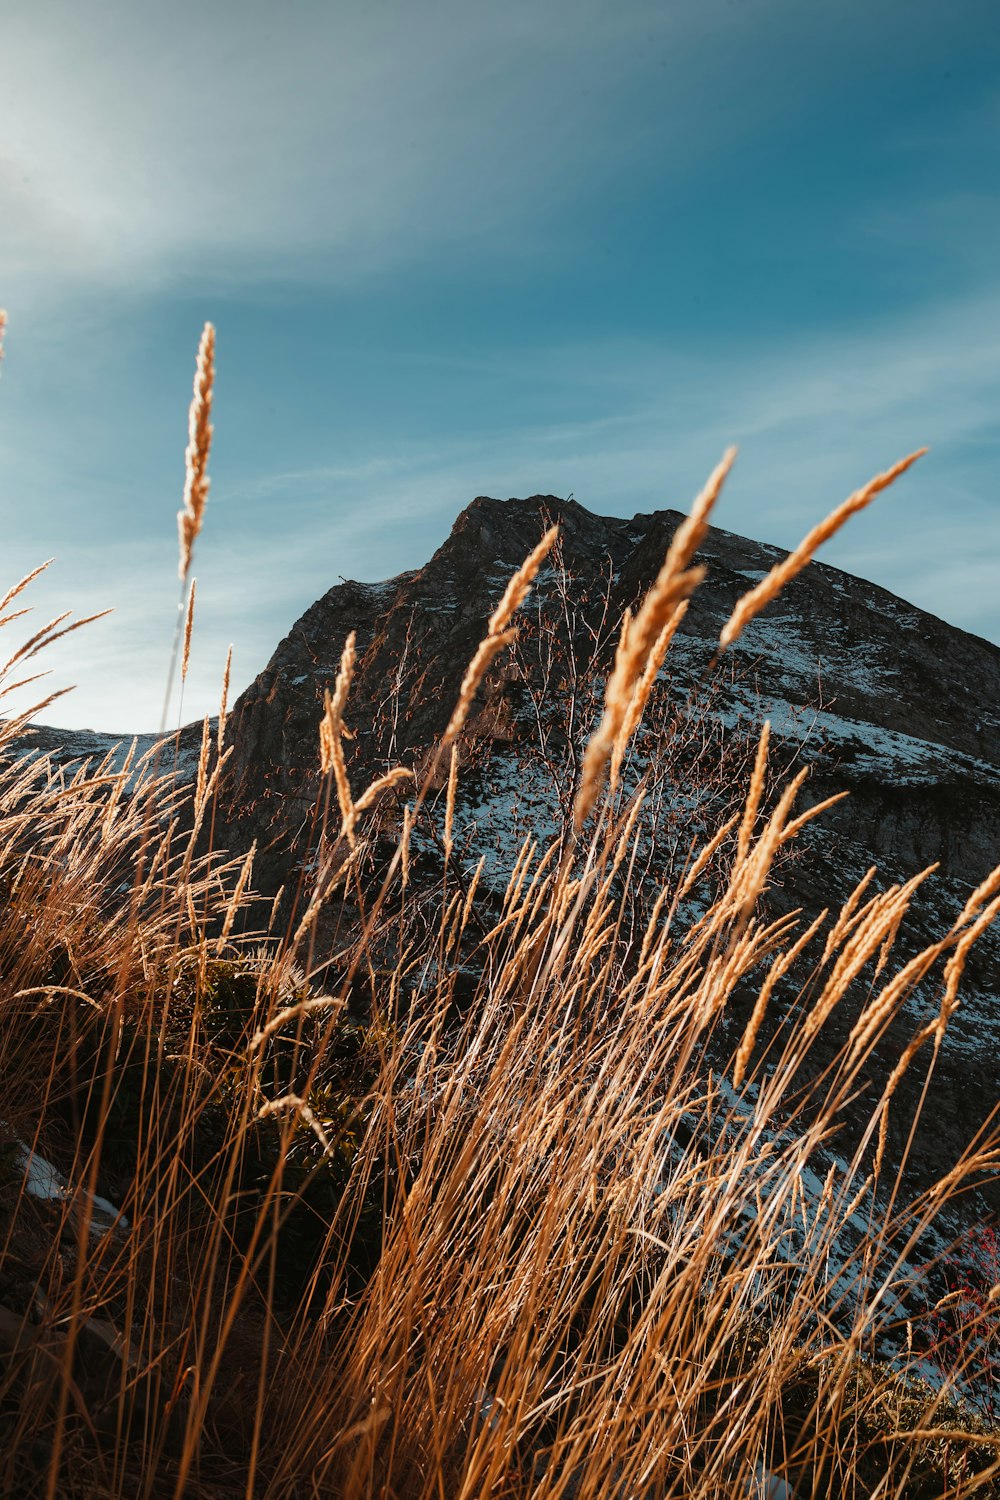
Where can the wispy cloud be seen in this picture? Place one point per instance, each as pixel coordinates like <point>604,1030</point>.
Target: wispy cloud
<point>143,144</point>
<point>202,139</point>
<point>567,245</point>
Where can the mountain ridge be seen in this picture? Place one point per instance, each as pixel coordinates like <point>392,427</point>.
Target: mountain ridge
<point>880,661</point>
<point>878,697</point>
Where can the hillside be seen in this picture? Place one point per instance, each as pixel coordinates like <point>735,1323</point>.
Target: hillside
<point>879,698</point>
<point>568,1103</point>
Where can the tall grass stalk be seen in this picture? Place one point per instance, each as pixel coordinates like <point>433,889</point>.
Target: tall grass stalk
<point>533,1220</point>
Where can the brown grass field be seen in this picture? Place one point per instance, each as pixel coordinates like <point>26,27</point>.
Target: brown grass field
<point>527,1241</point>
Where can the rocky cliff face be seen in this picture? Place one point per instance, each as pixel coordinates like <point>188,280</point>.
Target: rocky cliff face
<point>880,698</point>
<point>885,700</point>
<point>889,703</point>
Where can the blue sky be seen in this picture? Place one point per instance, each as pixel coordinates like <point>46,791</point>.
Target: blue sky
<point>459,248</point>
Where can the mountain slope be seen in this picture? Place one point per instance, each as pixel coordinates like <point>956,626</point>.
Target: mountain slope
<point>880,698</point>
<point>891,702</point>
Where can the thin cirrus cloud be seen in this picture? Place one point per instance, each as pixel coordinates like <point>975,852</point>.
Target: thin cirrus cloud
<point>459,249</point>
<point>222,136</point>
<point>211,139</point>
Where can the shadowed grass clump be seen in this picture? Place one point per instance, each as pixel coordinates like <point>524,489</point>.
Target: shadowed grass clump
<point>493,1199</point>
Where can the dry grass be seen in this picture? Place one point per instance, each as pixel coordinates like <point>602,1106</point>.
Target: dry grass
<point>645,638</point>
<point>528,1238</point>
<point>196,481</point>
<point>498,634</point>
<point>188,629</point>
<point>782,573</point>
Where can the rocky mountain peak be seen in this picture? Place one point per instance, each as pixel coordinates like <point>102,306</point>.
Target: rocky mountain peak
<point>879,698</point>
<point>894,698</point>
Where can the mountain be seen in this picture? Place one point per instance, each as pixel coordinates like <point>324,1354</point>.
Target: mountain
<point>907,706</point>
<point>878,697</point>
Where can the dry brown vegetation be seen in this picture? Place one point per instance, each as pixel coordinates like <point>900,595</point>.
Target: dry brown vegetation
<point>508,1228</point>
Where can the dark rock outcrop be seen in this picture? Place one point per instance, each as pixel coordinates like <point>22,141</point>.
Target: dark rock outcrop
<point>897,706</point>
<point>880,698</point>
<point>883,700</point>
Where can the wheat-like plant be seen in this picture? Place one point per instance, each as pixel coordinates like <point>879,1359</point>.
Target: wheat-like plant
<point>498,634</point>
<point>518,1224</point>
<point>188,628</point>
<point>656,621</point>
<point>196,481</point>
<point>757,598</point>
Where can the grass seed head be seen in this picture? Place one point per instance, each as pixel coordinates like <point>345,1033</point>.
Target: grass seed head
<point>188,627</point>
<point>196,481</point>
<point>783,572</point>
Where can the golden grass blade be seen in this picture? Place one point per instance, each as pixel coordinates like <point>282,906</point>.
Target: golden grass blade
<point>777,971</point>
<point>48,635</point>
<point>668,589</point>
<point>956,965</point>
<point>487,651</point>
<point>643,688</point>
<point>705,855</point>
<point>847,912</point>
<point>331,737</point>
<point>694,528</point>
<point>292,1013</point>
<point>302,1109</point>
<point>322,893</point>
<point>17,614</point>
<point>36,641</point>
<point>236,898</point>
<point>12,687</point>
<point>201,775</point>
<point>404,845</point>
<point>752,878</point>
<point>21,720</point>
<point>225,697</point>
<point>984,891</point>
<point>449,811</point>
<point>519,586</point>
<point>382,784</point>
<point>196,481</point>
<point>188,627</point>
<point>497,635</point>
<point>19,587</point>
<point>795,827</point>
<point>755,793</point>
<point>782,573</point>
<point>673,585</point>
